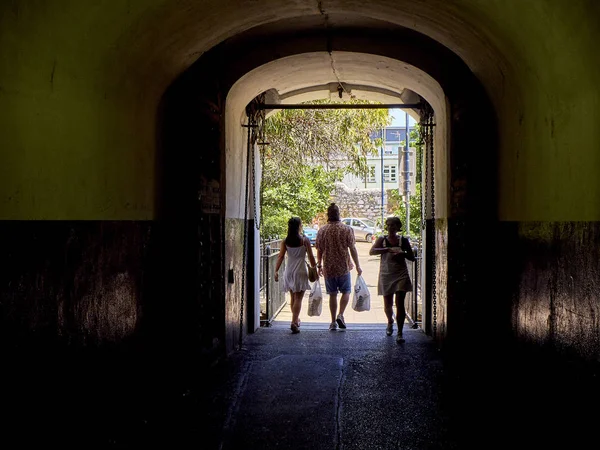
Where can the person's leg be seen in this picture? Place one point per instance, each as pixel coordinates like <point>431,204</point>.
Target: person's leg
<point>297,306</point>
<point>388,309</point>
<point>345,285</point>
<point>293,308</point>
<point>400,313</point>
<point>344,299</point>
<point>345,289</point>
<point>331,288</point>
<point>333,305</point>
<point>292,301</point>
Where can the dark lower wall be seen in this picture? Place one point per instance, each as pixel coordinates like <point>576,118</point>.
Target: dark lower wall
<point>441,280</point>
<point>557,303</point>
<point>436,291</point>
<point>90,284</point>
<point>103,325</point>
<point>535,284</point>
<point>73,308</point>
<point>238,277</point>
<point>530,347</point>
<point>75,284</point>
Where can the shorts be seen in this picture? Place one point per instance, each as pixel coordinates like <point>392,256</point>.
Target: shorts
<point>343,284</point>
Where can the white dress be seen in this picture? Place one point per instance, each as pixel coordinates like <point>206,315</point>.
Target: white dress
<point>295,278</point>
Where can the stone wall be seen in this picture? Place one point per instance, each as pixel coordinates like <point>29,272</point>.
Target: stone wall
<point>359,202</point>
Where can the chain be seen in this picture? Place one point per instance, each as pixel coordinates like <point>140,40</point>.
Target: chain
<point>249,152</point>
<point>431,178</point>
<point>262,165</point>
<point>255,135</point>
<point>424,178</point>
<point>256,118</point>
<point>260,133</point>
<point>252,162</point>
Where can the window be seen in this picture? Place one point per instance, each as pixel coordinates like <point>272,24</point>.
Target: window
<point>364,223</point>
<point>390,150</point>
<point>371,174</point>
<point>389,173</point>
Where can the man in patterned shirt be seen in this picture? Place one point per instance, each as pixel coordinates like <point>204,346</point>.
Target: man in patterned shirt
<point>333,261</point>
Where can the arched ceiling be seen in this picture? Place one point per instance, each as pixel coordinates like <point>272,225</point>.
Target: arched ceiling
<point>310,76</point>
<point>175,34</point>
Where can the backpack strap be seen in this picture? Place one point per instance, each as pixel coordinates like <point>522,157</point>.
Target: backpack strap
<point>387,243</point>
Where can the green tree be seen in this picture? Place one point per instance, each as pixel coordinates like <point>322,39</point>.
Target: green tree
<point>308,151</point>
<point>399,209</point>
<point>304,195</point>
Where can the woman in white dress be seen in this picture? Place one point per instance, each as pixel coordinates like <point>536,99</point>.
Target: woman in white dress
<point>394,279</point>
<point>295,277</point>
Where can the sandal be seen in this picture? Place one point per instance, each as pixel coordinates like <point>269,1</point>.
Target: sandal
<point>400,339</point>
<point>295,328</point>
<point>390,329</point>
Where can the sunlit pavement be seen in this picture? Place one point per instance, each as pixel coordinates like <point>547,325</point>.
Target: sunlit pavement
<point>365,319</point>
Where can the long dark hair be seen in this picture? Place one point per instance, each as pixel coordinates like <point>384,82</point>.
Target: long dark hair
<point>294,239</point>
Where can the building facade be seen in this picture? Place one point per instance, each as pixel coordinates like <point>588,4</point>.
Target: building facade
<point>392,164</point>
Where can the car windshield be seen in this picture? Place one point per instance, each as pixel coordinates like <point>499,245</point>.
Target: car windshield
<point>368,223</point>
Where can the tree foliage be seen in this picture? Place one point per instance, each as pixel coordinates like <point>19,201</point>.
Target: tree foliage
<point>309,150</point>
<point>399,209</point>
<point>304,195</point>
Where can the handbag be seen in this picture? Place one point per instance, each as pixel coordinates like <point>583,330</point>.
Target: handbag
<point>313,275</point>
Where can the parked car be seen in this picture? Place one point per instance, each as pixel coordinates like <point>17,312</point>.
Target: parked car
<point>311,234</point>
<point>364,229</point>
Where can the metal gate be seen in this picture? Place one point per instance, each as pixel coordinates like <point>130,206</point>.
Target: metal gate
<point>272,299</point>
<point>413,302</point>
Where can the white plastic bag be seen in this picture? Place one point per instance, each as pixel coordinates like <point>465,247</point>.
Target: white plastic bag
<point>362,297</point>
<point>315,299</point>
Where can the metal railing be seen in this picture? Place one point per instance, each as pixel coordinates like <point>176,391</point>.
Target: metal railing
<point>272,299</point>
<point>413,301</point>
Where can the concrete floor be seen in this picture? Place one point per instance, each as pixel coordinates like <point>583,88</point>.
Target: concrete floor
<point>352,389</point>
<point>359,389</point>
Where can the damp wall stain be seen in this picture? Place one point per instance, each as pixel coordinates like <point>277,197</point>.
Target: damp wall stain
<point>76,282</point>
<point>557,301</point>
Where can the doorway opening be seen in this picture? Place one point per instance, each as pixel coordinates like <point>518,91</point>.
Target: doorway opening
<point>272,299</point>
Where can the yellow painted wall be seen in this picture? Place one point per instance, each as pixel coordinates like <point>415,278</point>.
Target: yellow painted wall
<point>80,83</point>
<point>73,146</point>
<point>549,106</point>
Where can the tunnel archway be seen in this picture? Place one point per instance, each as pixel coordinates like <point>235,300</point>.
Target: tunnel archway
<point>217,88</point>
<point>114,265</point>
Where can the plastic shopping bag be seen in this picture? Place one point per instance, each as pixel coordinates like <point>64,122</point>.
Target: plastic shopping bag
<point>315,299</point>
<point>362,297</point>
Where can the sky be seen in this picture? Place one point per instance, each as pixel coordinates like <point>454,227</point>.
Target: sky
<point>398,118</point>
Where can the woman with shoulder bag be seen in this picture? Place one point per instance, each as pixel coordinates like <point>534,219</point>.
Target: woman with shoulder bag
<point>295,277</point>
<point>394,279</point>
